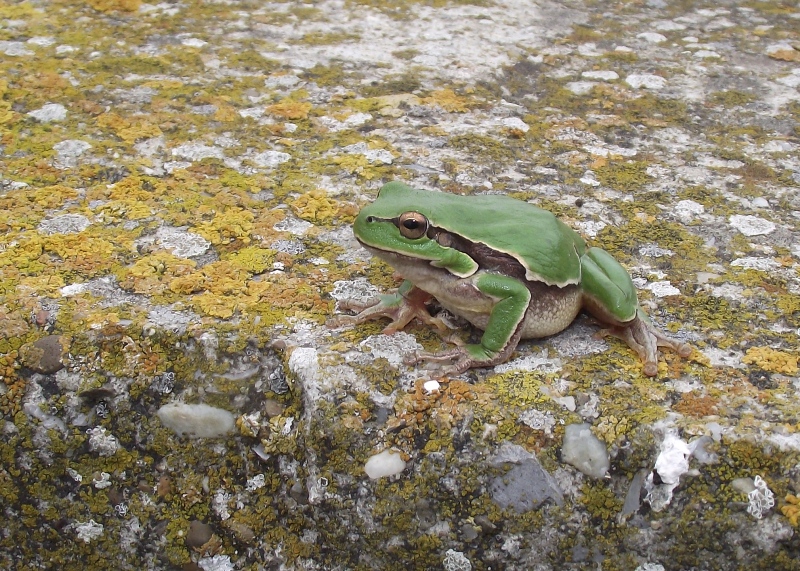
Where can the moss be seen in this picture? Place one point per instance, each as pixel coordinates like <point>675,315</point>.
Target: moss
<point>730,98</point>
<point>625,176</point>
<point>648,108</point>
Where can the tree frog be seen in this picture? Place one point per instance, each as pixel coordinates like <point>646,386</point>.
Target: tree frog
<point>510,268</point>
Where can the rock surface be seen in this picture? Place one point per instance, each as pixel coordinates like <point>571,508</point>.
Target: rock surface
<point>177,186</point>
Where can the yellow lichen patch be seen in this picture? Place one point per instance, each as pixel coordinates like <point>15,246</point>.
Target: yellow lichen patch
<point>114,5</point>
<point>771,360</point>
<point>88,255</point>
<point>128,131</point>
<point>154,273</point>
<point>41,285</point>
<point>448,100</point>
<point>792,509</point>
<point>6,114</point>
<point>290,109</point>
<point>253,259</point>
<point>54,196</point>
<point>315,206</point>
<point>225,227</point>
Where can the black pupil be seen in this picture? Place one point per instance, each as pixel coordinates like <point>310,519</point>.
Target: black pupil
<point>411,224</point>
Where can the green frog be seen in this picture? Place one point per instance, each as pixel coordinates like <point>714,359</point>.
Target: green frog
<point>511,269</point>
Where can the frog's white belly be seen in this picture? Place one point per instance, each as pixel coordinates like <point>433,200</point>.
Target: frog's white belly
<point>550,311</point>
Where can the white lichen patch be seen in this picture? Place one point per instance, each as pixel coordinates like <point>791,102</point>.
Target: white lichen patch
<point>180,242</point>
<point>49,113</point>
<point>88,531</point>
<point>671,464</point>
<point>752,225</point>
<point>663,289</point>
<point>102,441</point>
<point>394,348</point>
<point>64,224</point>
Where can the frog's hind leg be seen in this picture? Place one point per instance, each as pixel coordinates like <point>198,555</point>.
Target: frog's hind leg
<point>645,338</point>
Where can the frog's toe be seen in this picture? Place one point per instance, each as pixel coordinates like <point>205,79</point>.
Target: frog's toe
<point>645,338</point>
<point>650,369</point>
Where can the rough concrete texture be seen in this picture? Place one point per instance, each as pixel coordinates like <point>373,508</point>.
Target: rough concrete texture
<point>177,184</point>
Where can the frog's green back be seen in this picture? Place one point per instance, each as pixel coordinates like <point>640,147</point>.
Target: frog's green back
<point>549,249</point>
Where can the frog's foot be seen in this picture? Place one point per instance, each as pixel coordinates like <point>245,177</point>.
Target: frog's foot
<point>466,357</point>
<point>645,338</point>
<point>401,308</point>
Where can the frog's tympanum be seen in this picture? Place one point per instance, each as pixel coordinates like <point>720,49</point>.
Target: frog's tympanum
<point>511,269</point>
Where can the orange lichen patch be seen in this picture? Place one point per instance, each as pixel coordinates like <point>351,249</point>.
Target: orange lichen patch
<point>448,100</point>
<point>786,54</point>
<point>114,5</point>
<point>24,207</point>
<point>315,206</point>
<point>771,360</point>
<point>792,509</point>
<point>696,405</point>
<point>87,255</point>
<point>290,109</point>
<point>445,405</point>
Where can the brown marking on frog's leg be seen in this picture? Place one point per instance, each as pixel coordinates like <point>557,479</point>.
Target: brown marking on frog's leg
<point>645,338</point>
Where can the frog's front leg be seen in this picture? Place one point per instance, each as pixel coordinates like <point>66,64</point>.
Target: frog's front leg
<point>610,296</point>
<point>407,303</point>
<point>503,330</point>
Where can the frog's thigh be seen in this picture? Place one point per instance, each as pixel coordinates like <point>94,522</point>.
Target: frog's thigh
<point>609,292</point>
<point>508,312</point>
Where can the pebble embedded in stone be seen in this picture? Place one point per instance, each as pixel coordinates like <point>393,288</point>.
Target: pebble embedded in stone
<point>386,463</point>
<point>585,451</point>
<point>45,355</point>
<point>646,81</point>
<point>199,534</point>
<point>652,37</point>
<point>527,485</point>
<point>602,75</point>
<point>752,225</point>
<point>580,87</point>
<point>196,420</point>
<point>49,113</point>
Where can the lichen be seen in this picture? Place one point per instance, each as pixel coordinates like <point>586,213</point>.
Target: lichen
<point>772,360</point>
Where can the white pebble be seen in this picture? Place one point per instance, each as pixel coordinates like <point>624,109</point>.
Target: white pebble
<point>646,81</point>
<point>49,112</point>
<point>197,420</point>
<point>386,463</point>
<point>752,225</point>
<point>652,37</point>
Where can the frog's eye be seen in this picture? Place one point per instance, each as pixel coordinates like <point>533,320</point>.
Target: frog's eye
<point>412,225</point>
